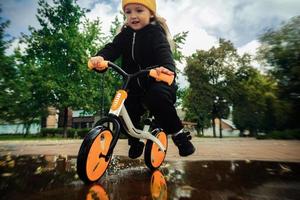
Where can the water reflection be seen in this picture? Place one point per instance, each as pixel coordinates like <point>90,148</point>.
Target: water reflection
<point>96,191</point>
<point>158,189</point>
<point>158,186</point>
<point>54,177</point>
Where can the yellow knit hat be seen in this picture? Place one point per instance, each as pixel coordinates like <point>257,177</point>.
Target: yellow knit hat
<point>150,4</point>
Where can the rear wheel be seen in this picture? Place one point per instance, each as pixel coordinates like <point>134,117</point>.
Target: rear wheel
<point>154,156</point>
<point>93,160</point>
<point>96,192</point>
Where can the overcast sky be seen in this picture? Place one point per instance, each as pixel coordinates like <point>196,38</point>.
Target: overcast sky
<point>240,21</point>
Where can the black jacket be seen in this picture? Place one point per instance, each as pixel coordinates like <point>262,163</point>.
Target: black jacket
<point>140,49</point>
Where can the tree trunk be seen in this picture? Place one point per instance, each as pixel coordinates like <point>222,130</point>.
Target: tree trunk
<point>220,127</point>
<point>214,127</point>
<point>241,133</point>
<point>26,129</point>
<point>65,123</point>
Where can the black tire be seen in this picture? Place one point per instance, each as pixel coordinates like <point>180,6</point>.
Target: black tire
<point>92,160</point>
<point>153,156</point>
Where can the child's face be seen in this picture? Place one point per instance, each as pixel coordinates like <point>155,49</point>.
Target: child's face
<point>137,15</point>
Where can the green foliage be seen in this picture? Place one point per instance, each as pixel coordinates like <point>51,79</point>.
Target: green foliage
<point>110,81</point>
<point>59,50</point>
<point>16,102</point>
<point>115,27</point>
<point>286,135</point>
<point>221,72</point>
<point>181,94</point>
<point>52,69</point>
<point>210,74</point>
<point>81,133</point>
<point>255,105</point>
<point>179,39</point>
<point>71,132</point>
<point>51,131</point>
<point>281,49</point>
<point>8,74</point>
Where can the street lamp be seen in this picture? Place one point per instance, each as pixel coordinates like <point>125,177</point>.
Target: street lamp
<point>217,113</point>
<point>214,114</point>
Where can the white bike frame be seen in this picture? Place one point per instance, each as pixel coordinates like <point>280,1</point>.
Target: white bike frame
<point>118,109</point>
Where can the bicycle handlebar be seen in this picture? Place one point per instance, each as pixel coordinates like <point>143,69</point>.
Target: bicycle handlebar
<point>103,64</point>
<point>161,77</point>
<point>158,77</point>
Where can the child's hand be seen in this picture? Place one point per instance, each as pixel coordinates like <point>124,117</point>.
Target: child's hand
<point>95,63</point>
<point>162,74</point>
<point>164,71</point>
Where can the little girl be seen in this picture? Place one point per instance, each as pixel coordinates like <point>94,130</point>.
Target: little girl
<point>143,43</point>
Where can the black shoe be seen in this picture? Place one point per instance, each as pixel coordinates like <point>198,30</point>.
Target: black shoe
<point>182,141</point>
<point>136,149</point>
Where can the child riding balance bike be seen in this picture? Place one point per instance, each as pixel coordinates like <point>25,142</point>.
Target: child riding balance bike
<point>97,147</point>
<point>143,41</point>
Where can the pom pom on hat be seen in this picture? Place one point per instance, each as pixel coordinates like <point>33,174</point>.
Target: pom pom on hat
<point>150,4</point>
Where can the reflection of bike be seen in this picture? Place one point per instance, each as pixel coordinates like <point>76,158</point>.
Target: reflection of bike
<point>158,189</point>
<point>97,192</point>
<point>97,147</point>
<point>158,186</point>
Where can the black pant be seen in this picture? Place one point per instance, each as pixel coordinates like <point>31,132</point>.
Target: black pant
<point>159,99</point>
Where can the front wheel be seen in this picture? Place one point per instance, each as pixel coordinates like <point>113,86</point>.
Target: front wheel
<point>154,156</point>
<point>92,160</point>
<point>158,186</point>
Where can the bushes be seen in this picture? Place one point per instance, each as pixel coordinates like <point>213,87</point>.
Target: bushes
<point>71,132</point>
<point>285,135</point>
<point>51,131</point>
<point>82,132</point>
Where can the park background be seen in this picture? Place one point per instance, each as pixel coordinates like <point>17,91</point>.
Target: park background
<point>237,60</point>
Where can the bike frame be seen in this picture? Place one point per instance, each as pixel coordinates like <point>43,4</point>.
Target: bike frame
<point>118,108</point>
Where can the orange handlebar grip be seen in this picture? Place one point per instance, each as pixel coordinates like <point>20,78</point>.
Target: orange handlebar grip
<point>103,65</point>
<point>90,65</point>
<point>162,77</point>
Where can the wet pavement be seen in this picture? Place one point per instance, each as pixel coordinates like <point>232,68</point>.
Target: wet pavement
<point>206,149</point>
<point>40,177</point>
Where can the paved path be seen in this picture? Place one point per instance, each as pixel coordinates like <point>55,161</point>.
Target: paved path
<point>207,149</point>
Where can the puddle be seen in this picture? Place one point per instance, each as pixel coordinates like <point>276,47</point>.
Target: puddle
<point>54,177</point>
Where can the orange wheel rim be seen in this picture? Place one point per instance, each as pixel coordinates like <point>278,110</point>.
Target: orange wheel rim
<point>96,165</point>
<point>158,186</point>
<point>157,155</point>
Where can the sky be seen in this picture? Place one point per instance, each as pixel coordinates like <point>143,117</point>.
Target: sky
<point>240,21</point>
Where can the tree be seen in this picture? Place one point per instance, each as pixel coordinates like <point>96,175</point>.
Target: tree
<point>31,90</point>
<point>17,102</point>
<point>179,39</point>
<point>210,74</point>
<point>58,52</point>
<point>255,105</point>
<point>281,49</point>
<point>7,75</point>
<point>11,86</point>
